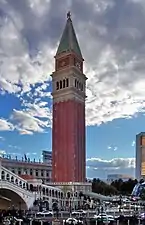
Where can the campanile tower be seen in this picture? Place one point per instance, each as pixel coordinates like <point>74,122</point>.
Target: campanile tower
<point>68,136</point>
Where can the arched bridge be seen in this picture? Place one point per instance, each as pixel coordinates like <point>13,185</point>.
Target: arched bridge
<point>15,190</point>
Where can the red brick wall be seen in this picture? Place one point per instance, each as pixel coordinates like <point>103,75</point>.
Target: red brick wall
<point>68,140</point>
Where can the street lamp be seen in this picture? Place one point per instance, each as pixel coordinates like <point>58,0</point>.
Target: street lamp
<point>120,203</point>
<point>40,200</point>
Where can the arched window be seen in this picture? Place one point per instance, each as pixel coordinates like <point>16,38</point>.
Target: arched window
<point>67,82</point>
<point>31,172</point>
<point>68,195</point>
<point>43,191</point>
<point>36,173</point>
<point>47,191</point>
<point>24,185</point>
<point>52,193</point>
<point>20,183</point>
<point>57,85</point>
<point>16,181</point>
<point>61,195</point>
<point>12,179</point>
<point>60,84</point>
<point>75,82</point>
<point>3,175</point>
<point>31,187</point>
<point>63,83</point>
<point>8,177</point>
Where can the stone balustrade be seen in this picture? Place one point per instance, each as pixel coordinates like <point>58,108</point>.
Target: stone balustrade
<point>7,175</point>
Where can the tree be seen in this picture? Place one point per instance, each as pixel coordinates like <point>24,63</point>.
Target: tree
<point>116,187</point>
<point>142,194</point>
<point>126,187</point>
<point>101,187</point>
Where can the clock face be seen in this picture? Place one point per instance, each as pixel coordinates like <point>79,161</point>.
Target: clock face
<point>63,62</point>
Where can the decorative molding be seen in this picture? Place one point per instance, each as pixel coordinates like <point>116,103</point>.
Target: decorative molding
<point>68,71</point>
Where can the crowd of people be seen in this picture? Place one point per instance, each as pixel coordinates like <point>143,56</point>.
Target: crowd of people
<point>11,214</point>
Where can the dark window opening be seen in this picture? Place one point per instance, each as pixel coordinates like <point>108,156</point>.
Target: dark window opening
<point>47,173</point>
<point>63,83</point>
<point>31,172</point>
<point>42,173</point>
<point>36,173</point>
<point>75,83</point>
<point>60,84</point>
<point>67,82</point>
<point>57,85</point>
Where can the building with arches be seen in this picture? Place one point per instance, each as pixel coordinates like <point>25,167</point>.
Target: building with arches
<point>39,170</point>
<point>22,192</point>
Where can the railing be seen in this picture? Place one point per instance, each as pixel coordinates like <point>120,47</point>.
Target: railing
<point>13,174</point>
<point>14,186</point>
<point>7,175</point>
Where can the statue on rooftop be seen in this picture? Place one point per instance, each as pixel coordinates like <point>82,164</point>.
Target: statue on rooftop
<point>69,15</point>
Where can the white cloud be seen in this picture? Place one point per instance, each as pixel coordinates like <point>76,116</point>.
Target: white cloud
<point>5,125</point>
<point>2,152</point>
<point>27,123</point>
<point>40,110</point>
<point>100,168</point>
<point>114,148</point>
<point>14,51</point>
<point>116,163</point>
<point>113,48</point>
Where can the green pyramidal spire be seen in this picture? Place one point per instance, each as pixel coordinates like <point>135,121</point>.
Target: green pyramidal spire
<point>68,42</point>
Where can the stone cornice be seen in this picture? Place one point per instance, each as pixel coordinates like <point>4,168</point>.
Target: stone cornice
<point>68,72</point>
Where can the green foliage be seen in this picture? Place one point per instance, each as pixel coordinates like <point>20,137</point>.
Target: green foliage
<point>101,187</point>
<point>124,187</point>
<point>116,187</point>
<point>142,194</point>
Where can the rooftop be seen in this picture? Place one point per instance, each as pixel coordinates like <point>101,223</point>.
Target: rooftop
<point>69,42</point>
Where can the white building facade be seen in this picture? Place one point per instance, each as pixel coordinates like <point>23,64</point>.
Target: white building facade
<point>39,170</point>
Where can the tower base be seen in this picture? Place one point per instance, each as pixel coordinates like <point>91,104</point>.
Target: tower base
<point>73,194</point>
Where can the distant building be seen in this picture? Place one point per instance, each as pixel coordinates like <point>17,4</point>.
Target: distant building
<point>113,177</point>
<point>47,156</point>
<point>140,156</point>
<point>39,170</point>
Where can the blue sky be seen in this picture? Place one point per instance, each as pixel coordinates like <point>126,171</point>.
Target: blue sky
<point>111,36</point>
